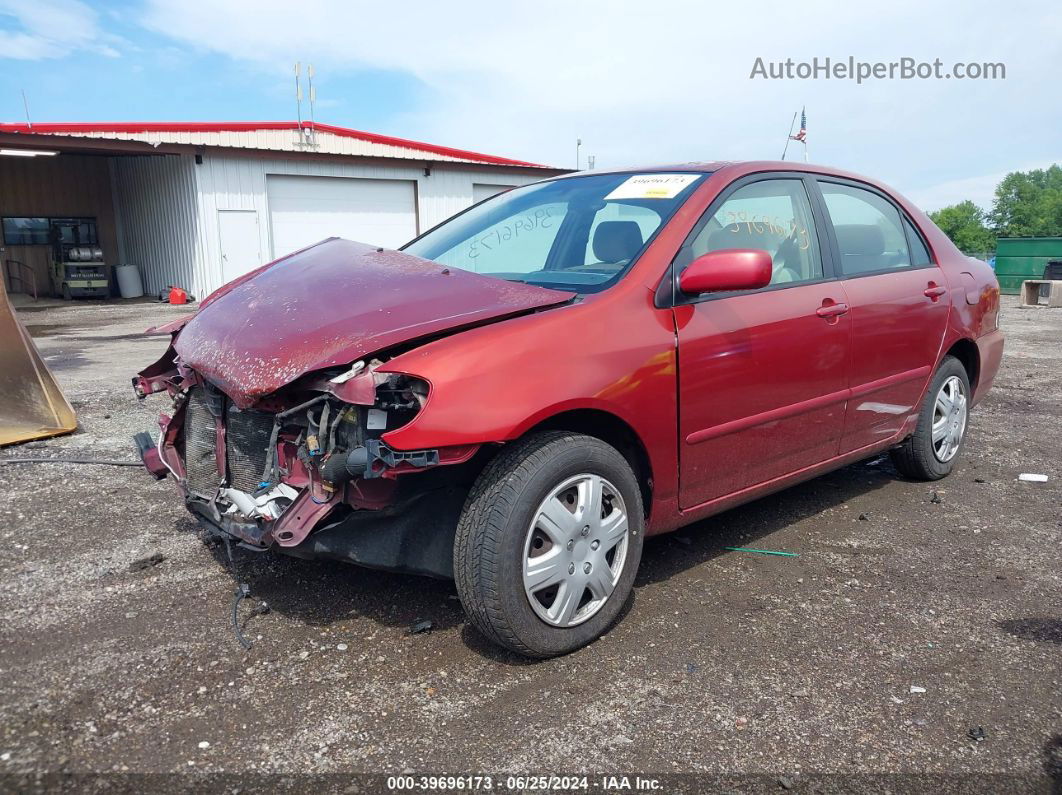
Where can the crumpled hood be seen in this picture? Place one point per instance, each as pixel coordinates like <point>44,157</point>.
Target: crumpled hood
<point>332,304</point>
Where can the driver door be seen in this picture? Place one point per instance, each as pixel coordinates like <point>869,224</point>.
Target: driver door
<point>763,373</point>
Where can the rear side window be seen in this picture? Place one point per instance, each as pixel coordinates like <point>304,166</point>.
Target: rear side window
<point>870,236</point>
<point>919,253</point>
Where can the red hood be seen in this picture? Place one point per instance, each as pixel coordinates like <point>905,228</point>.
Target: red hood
<point>332,304</point>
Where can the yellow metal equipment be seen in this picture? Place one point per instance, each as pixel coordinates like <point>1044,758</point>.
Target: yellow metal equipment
<point>31,403</point>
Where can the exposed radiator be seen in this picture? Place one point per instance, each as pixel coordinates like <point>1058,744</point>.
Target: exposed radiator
<point>246,442</point>
<point>200,445</point>
<point>247,436</point>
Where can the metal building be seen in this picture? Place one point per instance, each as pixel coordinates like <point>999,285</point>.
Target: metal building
<point>198,204</point>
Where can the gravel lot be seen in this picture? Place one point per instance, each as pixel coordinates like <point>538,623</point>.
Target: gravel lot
<point>726,662</point>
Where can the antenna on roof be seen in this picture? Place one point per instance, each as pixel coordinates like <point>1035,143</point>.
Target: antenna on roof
<point>298,96</point>
<point>313,98</point>
<point>25,105</point>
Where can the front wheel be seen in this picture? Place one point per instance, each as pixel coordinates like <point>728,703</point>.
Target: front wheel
<point>931,451</point>
<point>549,543</point>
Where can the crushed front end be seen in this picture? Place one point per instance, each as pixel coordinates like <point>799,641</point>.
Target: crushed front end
<point>305,470</point>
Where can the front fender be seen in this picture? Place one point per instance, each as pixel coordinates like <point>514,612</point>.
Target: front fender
<point>492,384</point>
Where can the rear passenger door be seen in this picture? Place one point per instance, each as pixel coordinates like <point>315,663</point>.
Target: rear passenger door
<point>899,308</point>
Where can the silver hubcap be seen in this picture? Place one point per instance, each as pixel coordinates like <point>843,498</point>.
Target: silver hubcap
<point>949,419</point>
<point>575,550</point>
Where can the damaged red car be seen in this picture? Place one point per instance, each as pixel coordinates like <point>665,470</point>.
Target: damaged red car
<point>521,395</point>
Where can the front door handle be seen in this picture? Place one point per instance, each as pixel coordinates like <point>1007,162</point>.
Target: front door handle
<point>831,310</point>
<point>934,291</point>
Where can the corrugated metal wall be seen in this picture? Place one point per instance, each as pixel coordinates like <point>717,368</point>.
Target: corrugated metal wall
<point>239,183</point>
<point>159,221</point>
<point>62,186</point>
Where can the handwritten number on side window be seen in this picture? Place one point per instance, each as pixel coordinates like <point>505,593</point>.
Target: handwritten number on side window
<point>760,225</point>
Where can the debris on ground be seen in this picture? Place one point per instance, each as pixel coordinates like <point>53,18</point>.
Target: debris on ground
<point>146,563</point>
<point>936,499</point>
<point>864,517</point>
<point>785,782</point>
<point>244,592</point>
<point>976,733</point>
<point>764,551</point>
<point>1031,477</point>
<point>421,626</point>
<point>917,689</point>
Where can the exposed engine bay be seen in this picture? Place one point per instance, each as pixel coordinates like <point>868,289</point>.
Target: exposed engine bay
<point>308,458</point>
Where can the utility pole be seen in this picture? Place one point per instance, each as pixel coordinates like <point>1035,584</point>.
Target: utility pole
<point>298,97</point>
<point>25,105</point>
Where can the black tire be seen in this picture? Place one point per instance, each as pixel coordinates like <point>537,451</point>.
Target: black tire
<point>491,534</point>
<point>915,457</point>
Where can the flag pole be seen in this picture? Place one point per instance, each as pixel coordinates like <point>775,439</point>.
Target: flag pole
<point>789,137</point>
<point>803,126</point>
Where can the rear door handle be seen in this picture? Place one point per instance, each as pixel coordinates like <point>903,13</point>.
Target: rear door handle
<point>831,310</point>
<point>934,291</point>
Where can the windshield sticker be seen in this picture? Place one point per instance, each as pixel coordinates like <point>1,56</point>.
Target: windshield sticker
<point>652,186</point>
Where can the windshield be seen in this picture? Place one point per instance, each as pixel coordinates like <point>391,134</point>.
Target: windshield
<point>580,233</point>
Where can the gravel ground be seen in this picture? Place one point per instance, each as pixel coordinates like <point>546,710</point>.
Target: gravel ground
<point>725,662</point>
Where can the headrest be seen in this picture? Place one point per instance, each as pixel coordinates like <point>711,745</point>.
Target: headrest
<point>860,239</point>
<point>615,241</point>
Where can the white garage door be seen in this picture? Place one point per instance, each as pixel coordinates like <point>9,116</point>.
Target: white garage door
<point>304,210</point>
<point>481,191</point>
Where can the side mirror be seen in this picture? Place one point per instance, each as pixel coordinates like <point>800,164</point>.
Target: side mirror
<point>729,269</point>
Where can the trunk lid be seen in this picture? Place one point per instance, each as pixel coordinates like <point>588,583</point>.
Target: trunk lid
<point>331,304</point>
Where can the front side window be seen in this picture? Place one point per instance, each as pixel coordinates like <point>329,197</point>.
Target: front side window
<point>773,215</point>
<point>869,235</point>
<point>581,233</point>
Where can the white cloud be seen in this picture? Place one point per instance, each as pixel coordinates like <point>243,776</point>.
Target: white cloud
<point>51,29</point>
<point>670,80</point>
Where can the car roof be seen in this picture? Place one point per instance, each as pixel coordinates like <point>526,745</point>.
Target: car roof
<point>733,169</point>
<point>712,166</point>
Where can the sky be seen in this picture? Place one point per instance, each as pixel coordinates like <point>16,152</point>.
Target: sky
<point>637,82</point>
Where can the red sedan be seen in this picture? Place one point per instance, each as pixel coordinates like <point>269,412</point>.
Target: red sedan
<point>522,394</point>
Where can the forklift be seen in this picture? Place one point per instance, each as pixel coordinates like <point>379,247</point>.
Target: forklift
<point>78,270</point>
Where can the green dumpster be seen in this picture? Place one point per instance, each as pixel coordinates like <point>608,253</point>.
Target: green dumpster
<point>1021,258</point>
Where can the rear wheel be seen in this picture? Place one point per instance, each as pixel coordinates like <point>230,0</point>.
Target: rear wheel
<point>931,451</point>
<point>549,543</point>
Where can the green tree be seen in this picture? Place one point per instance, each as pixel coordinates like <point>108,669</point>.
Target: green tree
<point>1029,204</point>
<point>965,224</point>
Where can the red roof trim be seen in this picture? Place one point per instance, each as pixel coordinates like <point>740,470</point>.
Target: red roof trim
<point>251,126</point>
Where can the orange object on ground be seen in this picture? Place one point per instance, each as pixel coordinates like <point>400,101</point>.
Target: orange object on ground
<point>178,296</point>
<point>32,405</point>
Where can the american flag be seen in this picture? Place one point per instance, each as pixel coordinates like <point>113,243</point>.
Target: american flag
<point>803,134</point>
